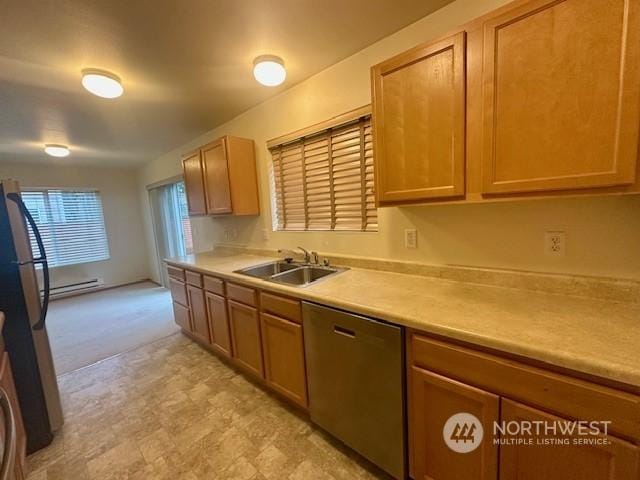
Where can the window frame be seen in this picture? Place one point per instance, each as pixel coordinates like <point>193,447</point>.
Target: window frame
<point>55,259</point>
<point>359,125</point>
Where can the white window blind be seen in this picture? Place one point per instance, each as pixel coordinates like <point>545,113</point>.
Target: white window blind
<point>71,223</point>
<point>324,180</point>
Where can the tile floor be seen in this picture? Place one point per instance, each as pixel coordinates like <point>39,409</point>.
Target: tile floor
<point>171,410</point>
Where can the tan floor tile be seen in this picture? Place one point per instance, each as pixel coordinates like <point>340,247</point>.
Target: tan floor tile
<point>172,411</point>
<point>121,458</point>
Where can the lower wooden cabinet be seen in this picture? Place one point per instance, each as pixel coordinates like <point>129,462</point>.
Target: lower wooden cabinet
<point>181,316</point>
<point>245,337</point>
<point>617,460</point>
<point>219,323</point>
<point>482,386</point>
<point>434,399</point>
<point>198,309</point>
<point>283,349</point>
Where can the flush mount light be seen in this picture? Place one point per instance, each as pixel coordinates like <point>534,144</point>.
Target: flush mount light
<point>102,83</point>
<point>269,70</point>
<point>56,150</point>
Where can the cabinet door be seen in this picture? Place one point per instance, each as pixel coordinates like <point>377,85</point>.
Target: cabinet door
<point>8,384</point>
<point>433,400</point>
<point>216,175</point>
<point>561,83</point>
<point>178,291</point>
<point>198,308</point>
<point>219,323</point>
<point>194,183</point>
<point>616,461</point>
<point>419,122</point>
<point>283,348</point>
<point>181,316</point>
<point>245,337</point>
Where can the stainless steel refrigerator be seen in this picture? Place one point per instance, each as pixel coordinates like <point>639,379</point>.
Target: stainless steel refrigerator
<point>25,309</point>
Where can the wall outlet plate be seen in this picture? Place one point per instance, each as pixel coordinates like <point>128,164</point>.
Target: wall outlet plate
<point>411,238</point>
<point>555,243</point>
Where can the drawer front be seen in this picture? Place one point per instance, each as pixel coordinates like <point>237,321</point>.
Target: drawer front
<point>213,285</point>
<point>565,396</point>
<point>178,292</point>
<point>283,307</point>
<point>246,295</point>
<point>175,272</point>
<point>193,278</point>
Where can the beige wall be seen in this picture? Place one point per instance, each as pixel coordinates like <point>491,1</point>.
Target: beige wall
<point>122,216</point>
<point>603,234</point>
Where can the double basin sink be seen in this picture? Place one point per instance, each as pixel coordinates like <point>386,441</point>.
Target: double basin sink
<point>290,273</point>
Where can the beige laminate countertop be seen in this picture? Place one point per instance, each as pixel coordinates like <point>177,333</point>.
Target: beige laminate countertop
<point>595,337</point>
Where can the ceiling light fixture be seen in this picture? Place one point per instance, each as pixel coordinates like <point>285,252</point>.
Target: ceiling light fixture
<point>56,150</point>
<point>102,83</point>
<point>269,70</point>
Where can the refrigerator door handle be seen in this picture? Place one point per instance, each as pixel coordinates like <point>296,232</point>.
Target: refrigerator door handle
<point>42,260</point>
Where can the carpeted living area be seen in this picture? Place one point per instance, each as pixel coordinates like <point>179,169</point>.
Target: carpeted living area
<point>88,328</point>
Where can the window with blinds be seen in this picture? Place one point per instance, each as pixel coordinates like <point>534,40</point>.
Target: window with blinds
<point>324,179</point>
<point>71,224</point>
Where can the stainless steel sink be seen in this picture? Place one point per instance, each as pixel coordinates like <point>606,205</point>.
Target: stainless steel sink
<point>304,275</point>
<point>267,270</point>
<point>290,273</point>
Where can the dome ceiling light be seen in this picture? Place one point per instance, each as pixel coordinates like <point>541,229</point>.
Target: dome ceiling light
<point>269,70</point>
<point>56,150</point>
<point>102,83</point>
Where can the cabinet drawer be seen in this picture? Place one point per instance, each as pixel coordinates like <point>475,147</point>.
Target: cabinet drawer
<point>242,294</point>
<point>193,278</point>
<point>175,272</point>
<point>282,306</point>
<point>213,285</point>
<point>178,291</point>
<point>565,396</point>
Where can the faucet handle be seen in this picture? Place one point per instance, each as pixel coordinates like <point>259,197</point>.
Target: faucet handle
<point>316,259</point>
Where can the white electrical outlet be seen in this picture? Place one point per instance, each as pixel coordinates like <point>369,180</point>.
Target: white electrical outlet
<point>555,244</point>
<point>265,234</point>
<point>411,238</point>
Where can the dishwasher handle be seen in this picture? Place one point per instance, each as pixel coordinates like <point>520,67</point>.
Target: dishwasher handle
<point>345,332</point>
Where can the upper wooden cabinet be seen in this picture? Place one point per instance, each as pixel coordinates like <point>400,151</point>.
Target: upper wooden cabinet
<point>419,122</point>
<point>221,178</point>
<point>537,98</point>
<point>216,174</point>
<point>561,90</point>
<point>194,183</point>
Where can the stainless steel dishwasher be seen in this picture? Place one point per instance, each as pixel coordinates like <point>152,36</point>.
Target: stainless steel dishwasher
<point>355,374</point>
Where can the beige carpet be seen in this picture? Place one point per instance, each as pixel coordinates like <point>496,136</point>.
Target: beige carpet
<point>92,327</point>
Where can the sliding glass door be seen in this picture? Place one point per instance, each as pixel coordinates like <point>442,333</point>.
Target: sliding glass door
<point>171,223</point>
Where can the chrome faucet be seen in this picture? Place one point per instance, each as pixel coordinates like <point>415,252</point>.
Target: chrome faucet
<point>290,254</point>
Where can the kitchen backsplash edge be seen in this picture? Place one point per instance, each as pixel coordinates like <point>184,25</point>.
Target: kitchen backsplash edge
<point>604,288</point>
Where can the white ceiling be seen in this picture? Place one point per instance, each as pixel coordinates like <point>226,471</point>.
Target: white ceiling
<point>185,64</point>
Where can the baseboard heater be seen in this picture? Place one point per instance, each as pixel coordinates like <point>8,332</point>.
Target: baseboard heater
<point>61,291</point>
